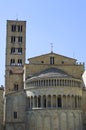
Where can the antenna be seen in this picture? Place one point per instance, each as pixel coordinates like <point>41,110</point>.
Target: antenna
<point>51,47</point>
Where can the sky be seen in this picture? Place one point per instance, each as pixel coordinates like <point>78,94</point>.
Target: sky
<point>61,22</point>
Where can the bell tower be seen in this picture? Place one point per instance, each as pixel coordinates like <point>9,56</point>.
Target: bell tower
<point>15,55</point>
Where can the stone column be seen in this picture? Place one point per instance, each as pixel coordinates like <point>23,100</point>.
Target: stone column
<point>62,101</point>
<point>37,101</point>
<point>77,102</point>
<point>51,101</point>
<point>46,101</point>
<point>42,101</point>
<point>30,102</point>
<point>71,101</point>
<point>66,102</point>
<point>56,101</point>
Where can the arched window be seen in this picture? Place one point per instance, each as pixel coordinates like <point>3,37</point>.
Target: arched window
<point>39,101</point>
<point>59,101</point>
<point>44,101</point>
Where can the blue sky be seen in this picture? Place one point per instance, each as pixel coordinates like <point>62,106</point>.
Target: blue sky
<point>61,22</point>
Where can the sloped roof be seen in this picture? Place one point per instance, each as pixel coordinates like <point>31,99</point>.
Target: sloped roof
<point>53,54</point>
<point>50,73</point>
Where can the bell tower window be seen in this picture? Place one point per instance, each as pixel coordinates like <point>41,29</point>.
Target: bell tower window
<point>19,50</point>
<point>13,39</point>
<point>12,50</point>
<point>13,28</point>
<point>19,62</point>
<point>19,28</point>
<point>12,62</point>
<point>20,39</point>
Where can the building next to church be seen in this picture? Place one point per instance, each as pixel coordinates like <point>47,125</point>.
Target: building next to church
<point>47,93</point>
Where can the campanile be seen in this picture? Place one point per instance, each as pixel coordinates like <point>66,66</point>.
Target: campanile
<point>15,55</point>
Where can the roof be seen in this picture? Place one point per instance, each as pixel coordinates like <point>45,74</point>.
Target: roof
<point>49,73</point>
<point>51,54</point>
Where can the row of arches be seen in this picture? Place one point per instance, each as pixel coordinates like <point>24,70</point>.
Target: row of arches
<point>54,101</point>
<point>56,121</point>
<point>54,82</point>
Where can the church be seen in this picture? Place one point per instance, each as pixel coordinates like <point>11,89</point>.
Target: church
<point>47,93</point>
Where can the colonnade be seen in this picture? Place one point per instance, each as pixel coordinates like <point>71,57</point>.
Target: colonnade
<point>54,82</point>
<point>54,101</point>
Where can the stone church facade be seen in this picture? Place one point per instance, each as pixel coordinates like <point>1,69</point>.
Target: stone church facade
<point>47,93</point>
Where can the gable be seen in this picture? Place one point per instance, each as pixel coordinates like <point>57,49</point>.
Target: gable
<point>57,59</point>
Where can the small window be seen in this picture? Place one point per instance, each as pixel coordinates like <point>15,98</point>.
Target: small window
<point>20,39</point>
<point>13,39</point>
<point>42,61</point>
<point>19,28</point>
<point>51,60</point>
<point>13,28</point>
<point>16,87</point>
<point>62,62</point>
<point>15,115</point>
